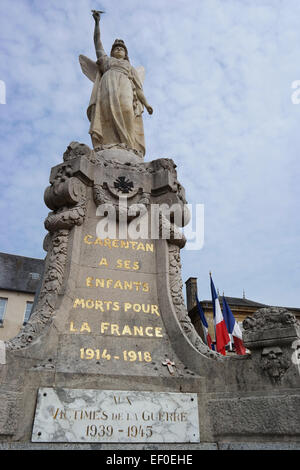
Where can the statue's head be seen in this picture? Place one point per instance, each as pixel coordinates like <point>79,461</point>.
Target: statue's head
<point>119,50</point>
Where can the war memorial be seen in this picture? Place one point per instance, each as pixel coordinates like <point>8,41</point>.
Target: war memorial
<point>109,358</point>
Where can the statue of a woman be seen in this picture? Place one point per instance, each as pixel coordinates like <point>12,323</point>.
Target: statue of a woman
<point>117,100</point>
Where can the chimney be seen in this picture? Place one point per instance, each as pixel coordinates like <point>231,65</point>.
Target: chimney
<point>191,291</point>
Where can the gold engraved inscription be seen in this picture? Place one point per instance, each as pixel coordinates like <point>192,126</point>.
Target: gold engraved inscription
<point>128,264</point>
<point>130,356</point>
<point>116,243</point>
<point>122,264</point>
<point>108,283</point>
<point>108,305</point>
<point>117,330</point>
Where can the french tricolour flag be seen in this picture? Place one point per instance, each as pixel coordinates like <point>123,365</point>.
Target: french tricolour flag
<point>204,323</point>
<point>233,328</point>
<point>222,337</point>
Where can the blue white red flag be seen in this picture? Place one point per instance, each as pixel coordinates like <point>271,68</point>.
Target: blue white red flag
<point>204,323</point>
<point>233,328</point>
<point>222,337</point>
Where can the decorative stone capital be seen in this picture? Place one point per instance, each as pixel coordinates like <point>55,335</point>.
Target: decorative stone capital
<point>67,195</point>
<point>269,334</point>
<point>270,326</point>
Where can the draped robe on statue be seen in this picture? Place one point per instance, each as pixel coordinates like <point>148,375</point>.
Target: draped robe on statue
<point>114,111</point>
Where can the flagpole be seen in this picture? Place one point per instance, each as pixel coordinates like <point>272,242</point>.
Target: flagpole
<point>230,335</point>
<point>233,329</point>
<point>214,323</point>
<point>204,323</point>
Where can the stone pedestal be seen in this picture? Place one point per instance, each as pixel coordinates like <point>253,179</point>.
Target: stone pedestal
<point>110,313</point>
<point>110,316</point>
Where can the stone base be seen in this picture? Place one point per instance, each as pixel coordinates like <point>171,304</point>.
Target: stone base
<point>153,447</point>
<point>85,334</point>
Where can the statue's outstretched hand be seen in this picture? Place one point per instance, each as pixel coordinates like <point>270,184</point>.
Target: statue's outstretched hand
<point>150,110</point>
<point>96,16</point>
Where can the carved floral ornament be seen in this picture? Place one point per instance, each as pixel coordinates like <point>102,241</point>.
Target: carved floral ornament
<point>41,317</point>
<point>269,318</point>
<point>176,288</point>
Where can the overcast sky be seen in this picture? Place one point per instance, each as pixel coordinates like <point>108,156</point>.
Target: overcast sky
<point>219,76</point>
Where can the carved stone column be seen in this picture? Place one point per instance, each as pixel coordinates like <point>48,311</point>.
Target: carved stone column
<point>67,197</point>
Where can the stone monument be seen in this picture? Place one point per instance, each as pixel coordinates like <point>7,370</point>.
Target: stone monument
<point>109,358</point>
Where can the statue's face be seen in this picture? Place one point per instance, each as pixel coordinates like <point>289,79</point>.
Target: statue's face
<point>118,52</point>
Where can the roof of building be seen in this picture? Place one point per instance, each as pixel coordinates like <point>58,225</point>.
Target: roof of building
<point>19,273</point>
<point>239,302</point>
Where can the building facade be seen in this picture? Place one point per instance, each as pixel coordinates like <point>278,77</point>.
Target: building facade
<point>19,280</point>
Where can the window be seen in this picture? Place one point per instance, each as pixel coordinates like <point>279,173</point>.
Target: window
<point>27,312</point>
<point>3,303</point>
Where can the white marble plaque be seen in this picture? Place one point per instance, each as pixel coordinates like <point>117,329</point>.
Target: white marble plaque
<point>73,415</point>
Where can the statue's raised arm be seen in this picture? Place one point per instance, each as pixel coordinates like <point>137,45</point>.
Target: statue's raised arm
<point>117,100</point>
<point>97,40</point>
